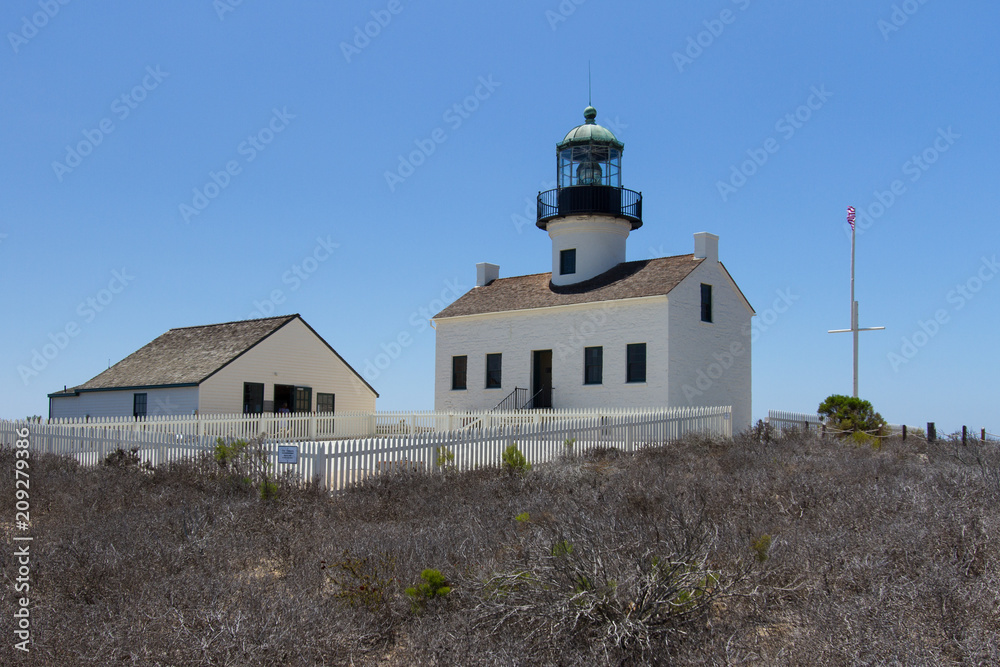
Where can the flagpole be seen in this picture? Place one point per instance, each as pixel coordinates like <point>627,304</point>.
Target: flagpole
<point>855,321</point>
<point>854,314</point>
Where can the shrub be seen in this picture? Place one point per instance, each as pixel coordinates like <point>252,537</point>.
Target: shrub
<point>364,582</point>
<point>860,438</point>
<point>121,458</point>
<point>243,467</point>
<point>762,432</point>
<point>760,547</point>
<point>268,489</point>
<point>901,569</point>
<point>433,586</point>
<point>225,452</point>
<point>444,457</point>
<point>562,548</point>
<point>514,461</point>
<point>633,603</point>
<point>851,415</point>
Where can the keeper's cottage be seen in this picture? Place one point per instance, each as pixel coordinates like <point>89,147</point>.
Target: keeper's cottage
<point>274,364</point>
<point>597,331</point>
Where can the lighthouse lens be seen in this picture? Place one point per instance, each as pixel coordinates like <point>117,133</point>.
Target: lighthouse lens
<point>589,173</point>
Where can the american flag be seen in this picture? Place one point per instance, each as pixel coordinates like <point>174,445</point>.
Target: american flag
<point>850,216</point>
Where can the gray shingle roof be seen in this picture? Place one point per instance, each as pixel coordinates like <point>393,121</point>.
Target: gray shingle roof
<point>628,280</point>
<point>186,355</point>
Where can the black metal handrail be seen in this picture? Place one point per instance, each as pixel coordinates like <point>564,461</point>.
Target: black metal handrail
<point>513,401</point>
<point>519,399</point>
<point>590,199</point>
<point>530,403</point>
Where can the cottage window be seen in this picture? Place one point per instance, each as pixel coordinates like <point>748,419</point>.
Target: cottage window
<point>593,365</point>
<point>253,398</point>
<point>493,365</point>
<point>138,405</point>
<point>706,303</point>
<point>636,362</point>
<point>567,261</point>
<point>303,399</point>
<point>459,371</point>
<point>324,402</point>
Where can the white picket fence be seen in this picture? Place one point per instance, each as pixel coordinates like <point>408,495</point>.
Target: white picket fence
<point>782,420</point>
<point>331,426</point>
<point>93,448</point>
<point>478,441</point>
<point>291,427</point>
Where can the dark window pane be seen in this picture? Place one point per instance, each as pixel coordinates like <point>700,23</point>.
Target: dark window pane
<point>324,402</point>
<point>706,303</point>
<point>253,398</point>
<point>493,379</point>
<point>567,261</point>
<point>459,371</point>
<point>593,365</point>
<point>139,405</point>
<point>636,363</point>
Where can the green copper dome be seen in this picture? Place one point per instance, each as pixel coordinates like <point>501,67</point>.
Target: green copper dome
<point>590,133</point>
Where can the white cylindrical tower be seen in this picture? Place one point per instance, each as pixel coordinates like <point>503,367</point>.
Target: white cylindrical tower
<point>589,215</point>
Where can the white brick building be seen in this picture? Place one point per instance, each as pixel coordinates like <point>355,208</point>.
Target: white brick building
<point>598,331</point>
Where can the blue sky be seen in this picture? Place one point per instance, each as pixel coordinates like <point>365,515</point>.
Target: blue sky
<point>177,164</point>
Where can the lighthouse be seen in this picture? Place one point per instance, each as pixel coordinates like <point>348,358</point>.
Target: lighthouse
<point>589,214</point>
<point>597,331</point>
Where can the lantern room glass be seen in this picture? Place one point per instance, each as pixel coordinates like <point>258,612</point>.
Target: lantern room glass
<point>590,164</point>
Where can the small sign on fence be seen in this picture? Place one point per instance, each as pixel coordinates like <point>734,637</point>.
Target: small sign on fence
<point>288,454</point>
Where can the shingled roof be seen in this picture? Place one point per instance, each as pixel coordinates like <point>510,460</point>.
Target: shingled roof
<point>186,356</point>
<point>628,280</point>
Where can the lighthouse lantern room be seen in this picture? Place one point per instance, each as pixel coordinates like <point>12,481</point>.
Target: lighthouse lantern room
<point>589,215</point>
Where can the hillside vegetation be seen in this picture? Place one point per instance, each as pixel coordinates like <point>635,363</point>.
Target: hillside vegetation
<point>783,551</point>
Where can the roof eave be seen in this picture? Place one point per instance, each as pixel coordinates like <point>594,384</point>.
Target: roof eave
<point>746,301</point>
<point>581,304</point>
<point>86,390</point>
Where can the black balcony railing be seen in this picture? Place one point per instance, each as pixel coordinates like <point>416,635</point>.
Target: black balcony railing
<point>590,200</point>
